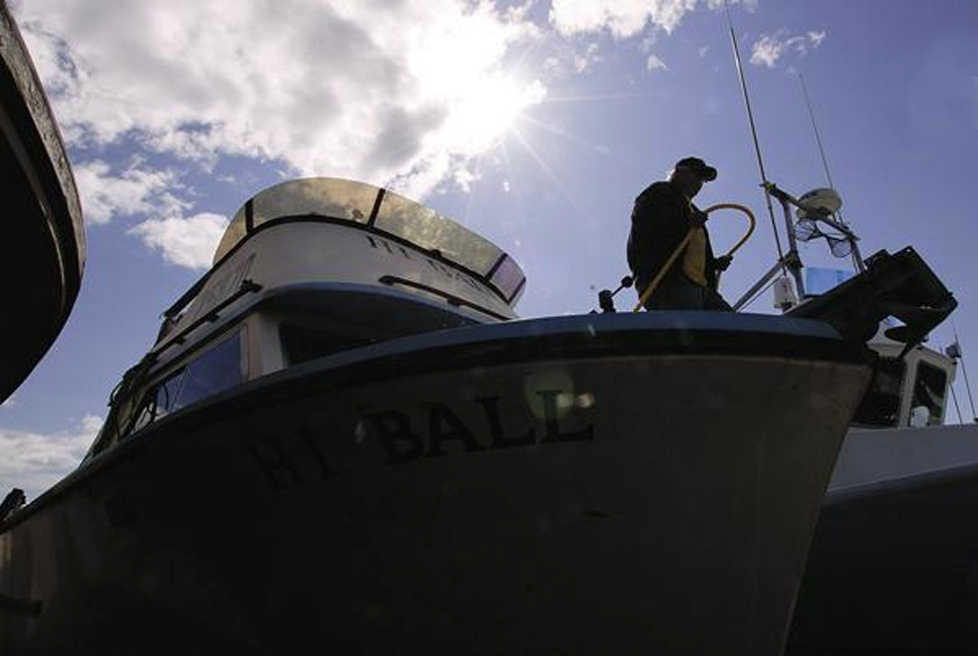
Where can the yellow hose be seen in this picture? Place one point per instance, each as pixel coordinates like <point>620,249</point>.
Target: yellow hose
<point>689,235</point>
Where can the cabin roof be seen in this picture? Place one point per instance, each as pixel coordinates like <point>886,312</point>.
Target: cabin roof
<point>378,210</point>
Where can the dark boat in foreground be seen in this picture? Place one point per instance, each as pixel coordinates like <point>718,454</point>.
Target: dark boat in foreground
<point>43,245</point>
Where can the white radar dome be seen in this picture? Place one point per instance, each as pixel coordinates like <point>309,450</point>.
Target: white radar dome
<point>818,203</point>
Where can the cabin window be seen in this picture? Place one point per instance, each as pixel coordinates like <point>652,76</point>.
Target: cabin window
<point>428,230</point>
<point>880,407</point>
<point>160,401</point>
<point>302,344</point>
<point>339,199</point>
<point>234,233</point>
<point>216,370</point>
<point>508,277</point>
<point>930,386</point>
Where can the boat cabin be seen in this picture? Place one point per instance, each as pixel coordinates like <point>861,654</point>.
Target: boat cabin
<point>305,269</point>
<point>907,392</point>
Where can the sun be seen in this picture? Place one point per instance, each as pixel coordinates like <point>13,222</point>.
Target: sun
<point>484,110</point>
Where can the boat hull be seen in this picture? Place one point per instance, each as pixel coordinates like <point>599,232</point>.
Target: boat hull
<point>893,558</point>
<point>574,505</point>
<point>43,248</point>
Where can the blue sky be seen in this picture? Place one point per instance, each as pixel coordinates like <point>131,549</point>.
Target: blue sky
<point>533,123</point>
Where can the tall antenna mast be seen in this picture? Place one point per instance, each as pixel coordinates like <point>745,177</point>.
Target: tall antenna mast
<point>825,161</point>
<point>818,137</point>
<point>753,130</point>
<point>954,351</point>
<point>956,406</point>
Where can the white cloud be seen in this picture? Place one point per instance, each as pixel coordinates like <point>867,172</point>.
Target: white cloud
<point>344,88</point>
<point>464,179</point>
<point>654,63</point>
<point>136,190</point>
<point>584,61</point>
<point>770,48</point>
<point>703,50</point>
<point>188,242</point>
<point>570,57</point>
<point>767,51</point>
<point>35,462</point>
<point>623,18</point>
<point>626,18</point>
<point>749,5</point>
<point>506,186</point>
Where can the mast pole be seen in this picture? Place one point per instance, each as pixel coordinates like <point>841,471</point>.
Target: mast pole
<point>974,415</point>
<point>753,129</point>
<point>957,408</point>
<point>958,356</point>
<point>818,138</point>
<point>857,258</point>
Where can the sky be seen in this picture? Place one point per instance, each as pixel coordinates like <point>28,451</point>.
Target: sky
<point>534,123</point>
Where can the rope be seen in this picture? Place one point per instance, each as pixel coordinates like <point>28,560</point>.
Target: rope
<point>745,210</point>
<point>682,245</point>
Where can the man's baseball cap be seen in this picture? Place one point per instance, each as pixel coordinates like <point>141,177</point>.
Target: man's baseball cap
<point>699,166</point>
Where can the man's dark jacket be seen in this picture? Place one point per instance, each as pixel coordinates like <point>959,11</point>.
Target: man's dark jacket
<point>660,221</point>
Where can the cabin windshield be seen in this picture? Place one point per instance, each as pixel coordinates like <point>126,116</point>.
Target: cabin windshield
<point>219,368</point>
<point>880,407</point>
<point>929,391</point>
<point>429,230</point>
<point>380,211</point>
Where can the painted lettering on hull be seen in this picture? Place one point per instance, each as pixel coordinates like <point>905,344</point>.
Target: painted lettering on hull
<point>278,461</point>
<point>443,432</point>
<point>442,269</point>
<point>402,443</point>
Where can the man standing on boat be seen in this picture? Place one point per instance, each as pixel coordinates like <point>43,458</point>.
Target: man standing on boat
<point>663,215</point>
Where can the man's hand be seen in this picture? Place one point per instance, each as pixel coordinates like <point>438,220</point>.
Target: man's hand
<point>723,262</point>
<point>697,218</point>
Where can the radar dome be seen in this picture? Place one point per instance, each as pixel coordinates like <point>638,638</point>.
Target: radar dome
<point>818,203</point>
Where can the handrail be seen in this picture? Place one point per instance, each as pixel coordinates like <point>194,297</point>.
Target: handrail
<point>247,286</point>
<point>136,375</point>
<point>451,298</point>
<point>682,245</point>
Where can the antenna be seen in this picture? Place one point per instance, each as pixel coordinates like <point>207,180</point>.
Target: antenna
<point>753,130</point>
<point>954,352</point>
<point>825,161</point>
<point>818,138</point>
<point>971,399</point>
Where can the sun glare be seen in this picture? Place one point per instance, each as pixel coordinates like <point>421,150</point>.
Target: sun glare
<point>483,113</point>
